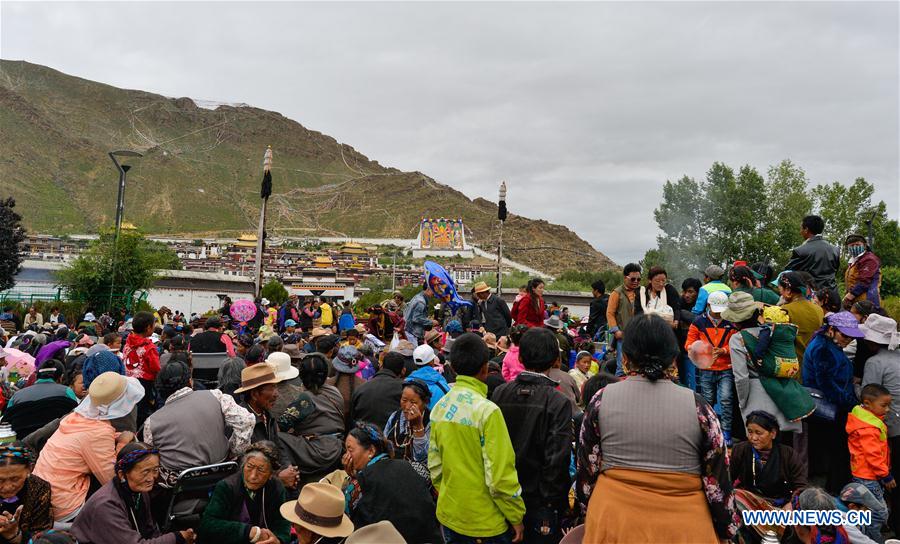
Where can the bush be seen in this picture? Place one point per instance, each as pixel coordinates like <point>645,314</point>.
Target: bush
<point>891,305</point>
<point>890,281</point>
<point>274,291</point>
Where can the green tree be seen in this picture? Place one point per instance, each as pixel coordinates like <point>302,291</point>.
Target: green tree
<point>787,202</point>
<point>886,237</point>
<point>581,280</point>
<point>105,268</point>
<point>274,291</point>
<point>680,217</point>
<point>11,237</point>
<point>844,209</point>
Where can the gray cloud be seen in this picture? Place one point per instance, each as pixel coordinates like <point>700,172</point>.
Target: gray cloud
<point>584,108</point>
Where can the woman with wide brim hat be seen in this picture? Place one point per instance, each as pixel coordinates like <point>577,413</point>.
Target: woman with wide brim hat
<point>85,444</point>
<point>318,513</point>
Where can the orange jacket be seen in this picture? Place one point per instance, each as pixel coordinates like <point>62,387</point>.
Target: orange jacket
<point>80,448</point>
<point>869,455</point>
<point>719,335</point>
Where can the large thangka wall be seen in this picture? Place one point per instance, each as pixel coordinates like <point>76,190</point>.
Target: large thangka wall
<point>442,234</point>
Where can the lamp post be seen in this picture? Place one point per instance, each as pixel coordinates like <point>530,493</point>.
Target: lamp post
<point>120,158</point>
<point>123,169</point>
<point>501,215</point>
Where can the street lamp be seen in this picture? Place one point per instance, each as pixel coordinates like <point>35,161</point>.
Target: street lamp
<point>501,215</point>
<point>125,156</point>
<point>121,159</point>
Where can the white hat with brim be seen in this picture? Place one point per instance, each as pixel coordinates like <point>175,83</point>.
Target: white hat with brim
<point>258,375</point>
<point>382,532</point>
<point>319,508</point>
<point>111,396</point>
<point>881,330</point>
<point>284,370</point>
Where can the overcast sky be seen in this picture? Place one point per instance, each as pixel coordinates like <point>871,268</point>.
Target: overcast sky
<point>584,108</point>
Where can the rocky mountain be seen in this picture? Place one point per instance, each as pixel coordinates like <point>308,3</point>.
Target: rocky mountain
<point>202,169</point>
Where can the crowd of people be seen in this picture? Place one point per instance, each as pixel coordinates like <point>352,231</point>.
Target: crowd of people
<point>659,417</point>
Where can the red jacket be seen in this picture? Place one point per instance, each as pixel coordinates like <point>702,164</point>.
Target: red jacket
<point>527,315</point>
<point>141,357</point>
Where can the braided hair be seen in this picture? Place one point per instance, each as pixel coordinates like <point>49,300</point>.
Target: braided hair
<point>132,454</point>
<point>174,376</point>
<point>16,453</point>
<point>370,436</point>
<point>314,372</point>
<point>650,345</point>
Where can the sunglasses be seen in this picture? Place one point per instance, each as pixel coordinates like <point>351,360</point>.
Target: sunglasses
<point>633,279</point>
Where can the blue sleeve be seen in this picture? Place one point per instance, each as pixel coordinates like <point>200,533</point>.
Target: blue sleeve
<point>700,305</point>
<point>762,346</point>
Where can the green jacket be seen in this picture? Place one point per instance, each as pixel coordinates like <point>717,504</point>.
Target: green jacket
<point>472,463</point>
<point>219,523</point>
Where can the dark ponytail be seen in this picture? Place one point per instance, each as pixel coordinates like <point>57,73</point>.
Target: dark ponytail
<point>650,345</point>
<point>314,372</point>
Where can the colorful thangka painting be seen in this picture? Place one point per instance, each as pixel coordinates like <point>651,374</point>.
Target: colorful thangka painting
<point>441,234</point>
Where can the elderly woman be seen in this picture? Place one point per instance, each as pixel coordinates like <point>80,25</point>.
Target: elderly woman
<point>659,297</point>
<point>827,369</point>
<point>318,513</point>
<point>650,445</point>
<point>409,428</point>
<point>24,498</point>
<point>765,474</point>
<point>312,427</point>
<point>85,445</point>
<point>119,513</point>
<point>382,488</point>
<point>245,506</point>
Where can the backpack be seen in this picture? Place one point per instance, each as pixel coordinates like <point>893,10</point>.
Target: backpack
<point>789,396</point>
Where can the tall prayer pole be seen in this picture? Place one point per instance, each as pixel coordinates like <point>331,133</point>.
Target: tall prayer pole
<point>501,215</point>
<point>264,193</point>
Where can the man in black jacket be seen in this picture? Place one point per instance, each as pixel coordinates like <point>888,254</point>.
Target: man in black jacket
<point>815,255</point>
<point>539,420</point>
<point>375,400</point>
<point>597,317</point>
<point>492,311</point>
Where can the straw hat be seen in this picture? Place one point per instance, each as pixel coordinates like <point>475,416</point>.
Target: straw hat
<point>317,332</point>
<point>283,367</point>
<point>319,508</point>
<point>111,396</point>
<point>480,287</point>
<point>108,387</point>
<point>257,375</point>
<point>382,532</point>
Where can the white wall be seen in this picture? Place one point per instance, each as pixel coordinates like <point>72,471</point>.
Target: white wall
<point>189,301</point>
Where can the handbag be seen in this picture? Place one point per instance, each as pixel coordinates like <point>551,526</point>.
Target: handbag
<point>825,409</point>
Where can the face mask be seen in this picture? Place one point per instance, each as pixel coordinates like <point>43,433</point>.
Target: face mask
<point>856,251</point>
